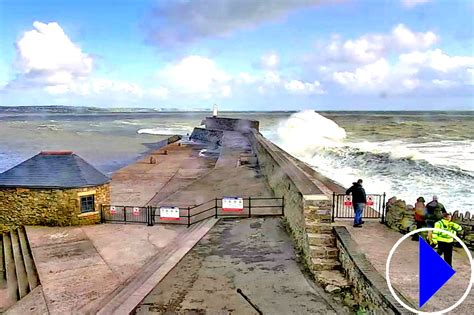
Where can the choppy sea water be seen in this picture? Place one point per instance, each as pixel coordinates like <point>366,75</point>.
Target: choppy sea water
<point>406,154</point>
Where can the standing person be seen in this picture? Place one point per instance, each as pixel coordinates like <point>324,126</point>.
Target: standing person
<point>434,213</point>
<point>443,240</point>
<point>358,201</point>
<point>419,215</point>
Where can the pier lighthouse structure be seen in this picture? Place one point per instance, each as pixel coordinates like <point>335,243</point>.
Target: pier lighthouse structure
<point>214,111</point>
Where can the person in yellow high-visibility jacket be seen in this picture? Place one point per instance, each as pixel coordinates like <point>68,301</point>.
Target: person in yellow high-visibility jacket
<point>443,240</point>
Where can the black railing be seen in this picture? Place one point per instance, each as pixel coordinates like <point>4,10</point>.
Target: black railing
<point>374,209</point>
<point>252,206</point>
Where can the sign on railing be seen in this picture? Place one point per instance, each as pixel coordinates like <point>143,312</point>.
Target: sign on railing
<point>374,207</point>
<point>231,204</point>
<point>169,213</point>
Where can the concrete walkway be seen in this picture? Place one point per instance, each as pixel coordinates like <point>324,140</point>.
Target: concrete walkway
<point>254,255</point>
<point>80,265</point>
<point>376,241</point>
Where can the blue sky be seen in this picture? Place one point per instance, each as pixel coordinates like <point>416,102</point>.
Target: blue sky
<point>242,55</point>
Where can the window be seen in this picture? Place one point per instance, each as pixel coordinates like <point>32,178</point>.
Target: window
<point>87,203</point>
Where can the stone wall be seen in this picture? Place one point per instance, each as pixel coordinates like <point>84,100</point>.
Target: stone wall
<point>401,217</point>
<point>232,124</point>
<point>307,209</point>
<point>207,135</point>
<point>53,207</point>
<point>370,288</point>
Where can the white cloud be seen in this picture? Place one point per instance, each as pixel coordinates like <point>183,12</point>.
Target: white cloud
<point>270,61</point>
<point>160,92</point>
<point>413,3</point>
<point>299,87</point>
<point>47,48</point>
<point>96,86</point>
<point>369,76</point>
<point>195,75</point>
<point>437,60</point>
<point>369,48</point>
<point>404,38</point>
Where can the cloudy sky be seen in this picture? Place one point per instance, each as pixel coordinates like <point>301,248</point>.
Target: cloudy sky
<point>240,54</point>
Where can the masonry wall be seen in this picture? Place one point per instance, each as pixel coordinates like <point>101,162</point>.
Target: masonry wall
<point>232,124</point>
<point>207,135</point>
<point>370,288</point>
<point>52,207</point>
<point>307,210</point>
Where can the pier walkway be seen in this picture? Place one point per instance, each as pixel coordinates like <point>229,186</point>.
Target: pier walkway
<point>376,240</point>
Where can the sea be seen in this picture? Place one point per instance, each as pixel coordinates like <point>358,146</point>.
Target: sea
<point>404,154</point>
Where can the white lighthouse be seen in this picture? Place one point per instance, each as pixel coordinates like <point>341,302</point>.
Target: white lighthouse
<point>214,111</point>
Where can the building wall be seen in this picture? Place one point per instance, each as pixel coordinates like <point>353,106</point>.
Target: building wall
<point>52,207</point>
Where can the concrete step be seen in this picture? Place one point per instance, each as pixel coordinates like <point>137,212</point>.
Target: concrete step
<point>318,227</point>
<point>124,299</point>
<point>30,268</point>
<point>12,283</point>
<point>321,239</point>
<point>325,264</point>
<point>3,279</point>
<point>323,252</point>
<point>22,277</point>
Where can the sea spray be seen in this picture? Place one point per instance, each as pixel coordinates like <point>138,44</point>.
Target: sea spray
<point>305,132</point>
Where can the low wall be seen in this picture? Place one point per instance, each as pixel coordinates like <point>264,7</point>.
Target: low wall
<point>53,207</point>
<point>207,135</point>
<point>401,217</point>
<point>370,288</point>
<point>232,124</point>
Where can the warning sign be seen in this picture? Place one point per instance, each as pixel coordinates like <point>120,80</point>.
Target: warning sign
<point>136,211</point>
<point>370,200</point>
<point>232,204</point>
<point>348,201</point>
<point>113,210</point>
<point>169,213</point>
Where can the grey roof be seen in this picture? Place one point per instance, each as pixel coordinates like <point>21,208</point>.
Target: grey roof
<point>53,170</point>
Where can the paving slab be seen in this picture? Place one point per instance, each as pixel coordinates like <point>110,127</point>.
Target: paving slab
<point>254,255</point>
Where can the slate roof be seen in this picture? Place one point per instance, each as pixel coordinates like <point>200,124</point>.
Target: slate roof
<point>62,169</point>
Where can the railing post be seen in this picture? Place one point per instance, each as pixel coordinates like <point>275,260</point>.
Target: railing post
<point>383,208</point>
<point>216,207</point>
<point>189,217</point>
<point>250,206</point>
<point>125,214</point>
<point>283,205</point>
<point>333,204</point>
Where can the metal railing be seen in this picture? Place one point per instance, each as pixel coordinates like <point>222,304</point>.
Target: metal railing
<point>342,207</point>
<point>252,206</point>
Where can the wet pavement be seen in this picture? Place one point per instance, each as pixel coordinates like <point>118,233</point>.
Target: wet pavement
<point>253,255</point>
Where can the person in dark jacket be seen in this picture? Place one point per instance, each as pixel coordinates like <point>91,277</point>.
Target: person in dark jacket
<point>359,200</point>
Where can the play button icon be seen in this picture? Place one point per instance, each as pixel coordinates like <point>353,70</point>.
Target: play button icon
<point>434,272</point>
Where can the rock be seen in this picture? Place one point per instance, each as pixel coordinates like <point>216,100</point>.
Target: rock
<point>332,289</point>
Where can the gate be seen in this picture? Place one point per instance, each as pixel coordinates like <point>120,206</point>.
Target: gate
<point>374,209</point>
<point>251,206</point>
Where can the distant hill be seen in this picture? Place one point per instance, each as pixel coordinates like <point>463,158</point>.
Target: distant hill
<point>60,109</point>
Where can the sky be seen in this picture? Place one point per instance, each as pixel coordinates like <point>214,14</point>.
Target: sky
<point>239,54</point>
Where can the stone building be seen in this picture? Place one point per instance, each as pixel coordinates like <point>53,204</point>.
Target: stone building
<point>52,188</point>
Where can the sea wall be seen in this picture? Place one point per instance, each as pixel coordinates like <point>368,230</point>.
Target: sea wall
<point>231,124</point>
<point>370,288</point>
<point>207,135</point>
<point>401,217</point>
<point>307,208</point>
<point>53,207</point>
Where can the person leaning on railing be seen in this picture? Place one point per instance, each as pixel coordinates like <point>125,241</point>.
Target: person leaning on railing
<point>443,240</point>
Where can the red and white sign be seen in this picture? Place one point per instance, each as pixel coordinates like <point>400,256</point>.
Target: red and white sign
<point>370,200</point>
<point>136,211</point>
<point>232,204</point>
<point>113,210</point>
<point>348,201</point>
<point>169,213</point>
